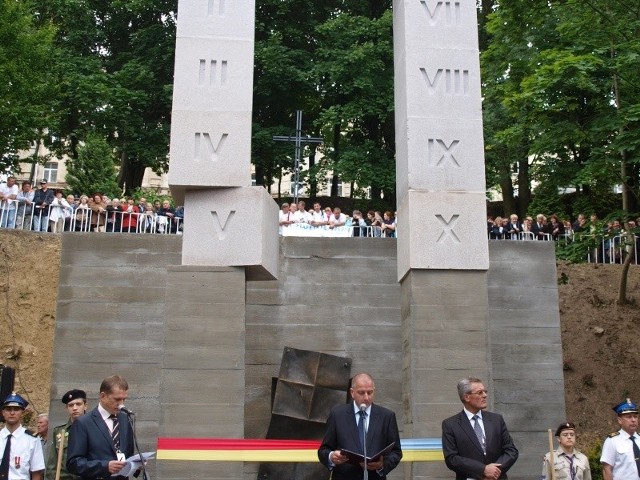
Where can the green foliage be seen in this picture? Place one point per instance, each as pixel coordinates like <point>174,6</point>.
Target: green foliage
<point>151,196</point>
<point>560,92</point>
<point>94,170</point>
<point>333,60</point>
<point>593,453</point>
<point>26,88</point>
<point>546,200</point>
<point>114,68</point>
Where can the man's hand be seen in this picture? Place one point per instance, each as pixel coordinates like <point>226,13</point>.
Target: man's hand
<point>337,458</point>
<point>492,471</point>
<point>377,465</point>
<point>115,466</point>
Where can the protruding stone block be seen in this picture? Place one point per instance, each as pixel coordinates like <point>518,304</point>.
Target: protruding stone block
<point>443,231</point>
<point>235,227</point>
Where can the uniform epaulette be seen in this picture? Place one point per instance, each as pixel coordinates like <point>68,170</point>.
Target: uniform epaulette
<point>30,433</point>
<point>614,434</point>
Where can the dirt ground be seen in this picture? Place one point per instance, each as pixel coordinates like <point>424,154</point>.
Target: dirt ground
<point>600,340</point>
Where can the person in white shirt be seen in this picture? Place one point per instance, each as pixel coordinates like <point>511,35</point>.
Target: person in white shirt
<point>338,219</point>
<point>318,216</point>
<point>8,194</point>
<point>25,206</point>
<point>306,216</point>
<point>24,454</point>
<point>284,218</point>
<point>621,449</point>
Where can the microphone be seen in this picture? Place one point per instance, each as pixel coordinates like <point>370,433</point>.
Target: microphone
<point>124,409</point>
<point>363,407</point>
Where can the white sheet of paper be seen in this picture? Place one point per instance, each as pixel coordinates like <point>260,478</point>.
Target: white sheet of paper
<point>133,463</point>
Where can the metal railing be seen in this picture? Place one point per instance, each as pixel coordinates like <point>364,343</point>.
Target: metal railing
<point>58,219</point>
<point>609,249</point>
<point>306,230</point>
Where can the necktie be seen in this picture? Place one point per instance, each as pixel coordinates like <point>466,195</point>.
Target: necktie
<point>572,469</point>
<point>636,453</point>
<point>478,430</point>
<point>4,465</point>
<point>361,430</point>
<point>115,433</point>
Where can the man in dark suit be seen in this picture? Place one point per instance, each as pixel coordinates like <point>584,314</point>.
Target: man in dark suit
<point>476,443</point>
<point>381,430</point>
<point>100,441</point>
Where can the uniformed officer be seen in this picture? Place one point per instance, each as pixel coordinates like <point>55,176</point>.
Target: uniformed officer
<point>22,450</point>
<point>621,450</point>
<point>76,402</point>
<point>568,462</point>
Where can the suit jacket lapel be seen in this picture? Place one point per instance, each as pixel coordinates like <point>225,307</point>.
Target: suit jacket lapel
<point>353,426</point>
<point>102,426</point>
<point>374,427</point>
<point>465,424</point>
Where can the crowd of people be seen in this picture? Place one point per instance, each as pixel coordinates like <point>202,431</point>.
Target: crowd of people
<point>374,224</point>
<point>48,210</point>
<point>553,228</point>
<point>609,237</point>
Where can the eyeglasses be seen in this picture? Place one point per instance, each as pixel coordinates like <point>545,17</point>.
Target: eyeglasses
<point>478,392</point>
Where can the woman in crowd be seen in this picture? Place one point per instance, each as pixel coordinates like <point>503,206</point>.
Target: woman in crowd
<point>499,230</point>
<point>388,226</point>
<point>376,224</point>
<point>147,220</point>
<point>57,212</point>
<point>114,216</point>
<point>83,215</point>
<point>130,216</point>
<point>98,213</point>
<point>556,227</point>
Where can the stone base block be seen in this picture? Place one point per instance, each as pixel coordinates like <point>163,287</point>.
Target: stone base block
<point>442,231</point>
<point>232,227</point>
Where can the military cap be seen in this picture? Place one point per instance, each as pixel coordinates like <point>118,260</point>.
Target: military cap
<point>15,400</point>
<point>565,426</point>
<point>626,407</point>
<point>73,395</point>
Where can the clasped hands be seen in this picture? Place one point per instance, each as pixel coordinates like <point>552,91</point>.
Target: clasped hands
<point>492,471</point>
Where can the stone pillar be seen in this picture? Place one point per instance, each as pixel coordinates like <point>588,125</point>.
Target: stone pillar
<point>442,245</point>
<point>210,154</point>
<point>230,230</point>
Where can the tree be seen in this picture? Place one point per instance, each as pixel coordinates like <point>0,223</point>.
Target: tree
<point>115,72</point>
<point>26,88</point>
<point>93,171</point>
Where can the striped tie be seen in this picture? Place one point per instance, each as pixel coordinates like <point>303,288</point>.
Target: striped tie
<point>115,433</point>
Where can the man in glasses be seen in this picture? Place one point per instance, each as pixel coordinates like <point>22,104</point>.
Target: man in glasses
<point>476,443</point>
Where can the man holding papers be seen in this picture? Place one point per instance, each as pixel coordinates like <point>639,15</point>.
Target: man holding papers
<point>343,442</point>
<point>102,440</point>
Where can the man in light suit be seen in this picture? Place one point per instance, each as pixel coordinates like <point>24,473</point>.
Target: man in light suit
<point>476,443</point>
<point>342,433</point>
<point>94,450</point>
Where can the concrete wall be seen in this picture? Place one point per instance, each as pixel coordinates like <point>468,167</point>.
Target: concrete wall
<point>337,296</point>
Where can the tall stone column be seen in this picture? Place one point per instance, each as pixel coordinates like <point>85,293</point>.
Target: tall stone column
<point>230,230</point>
<point>442,245</point>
